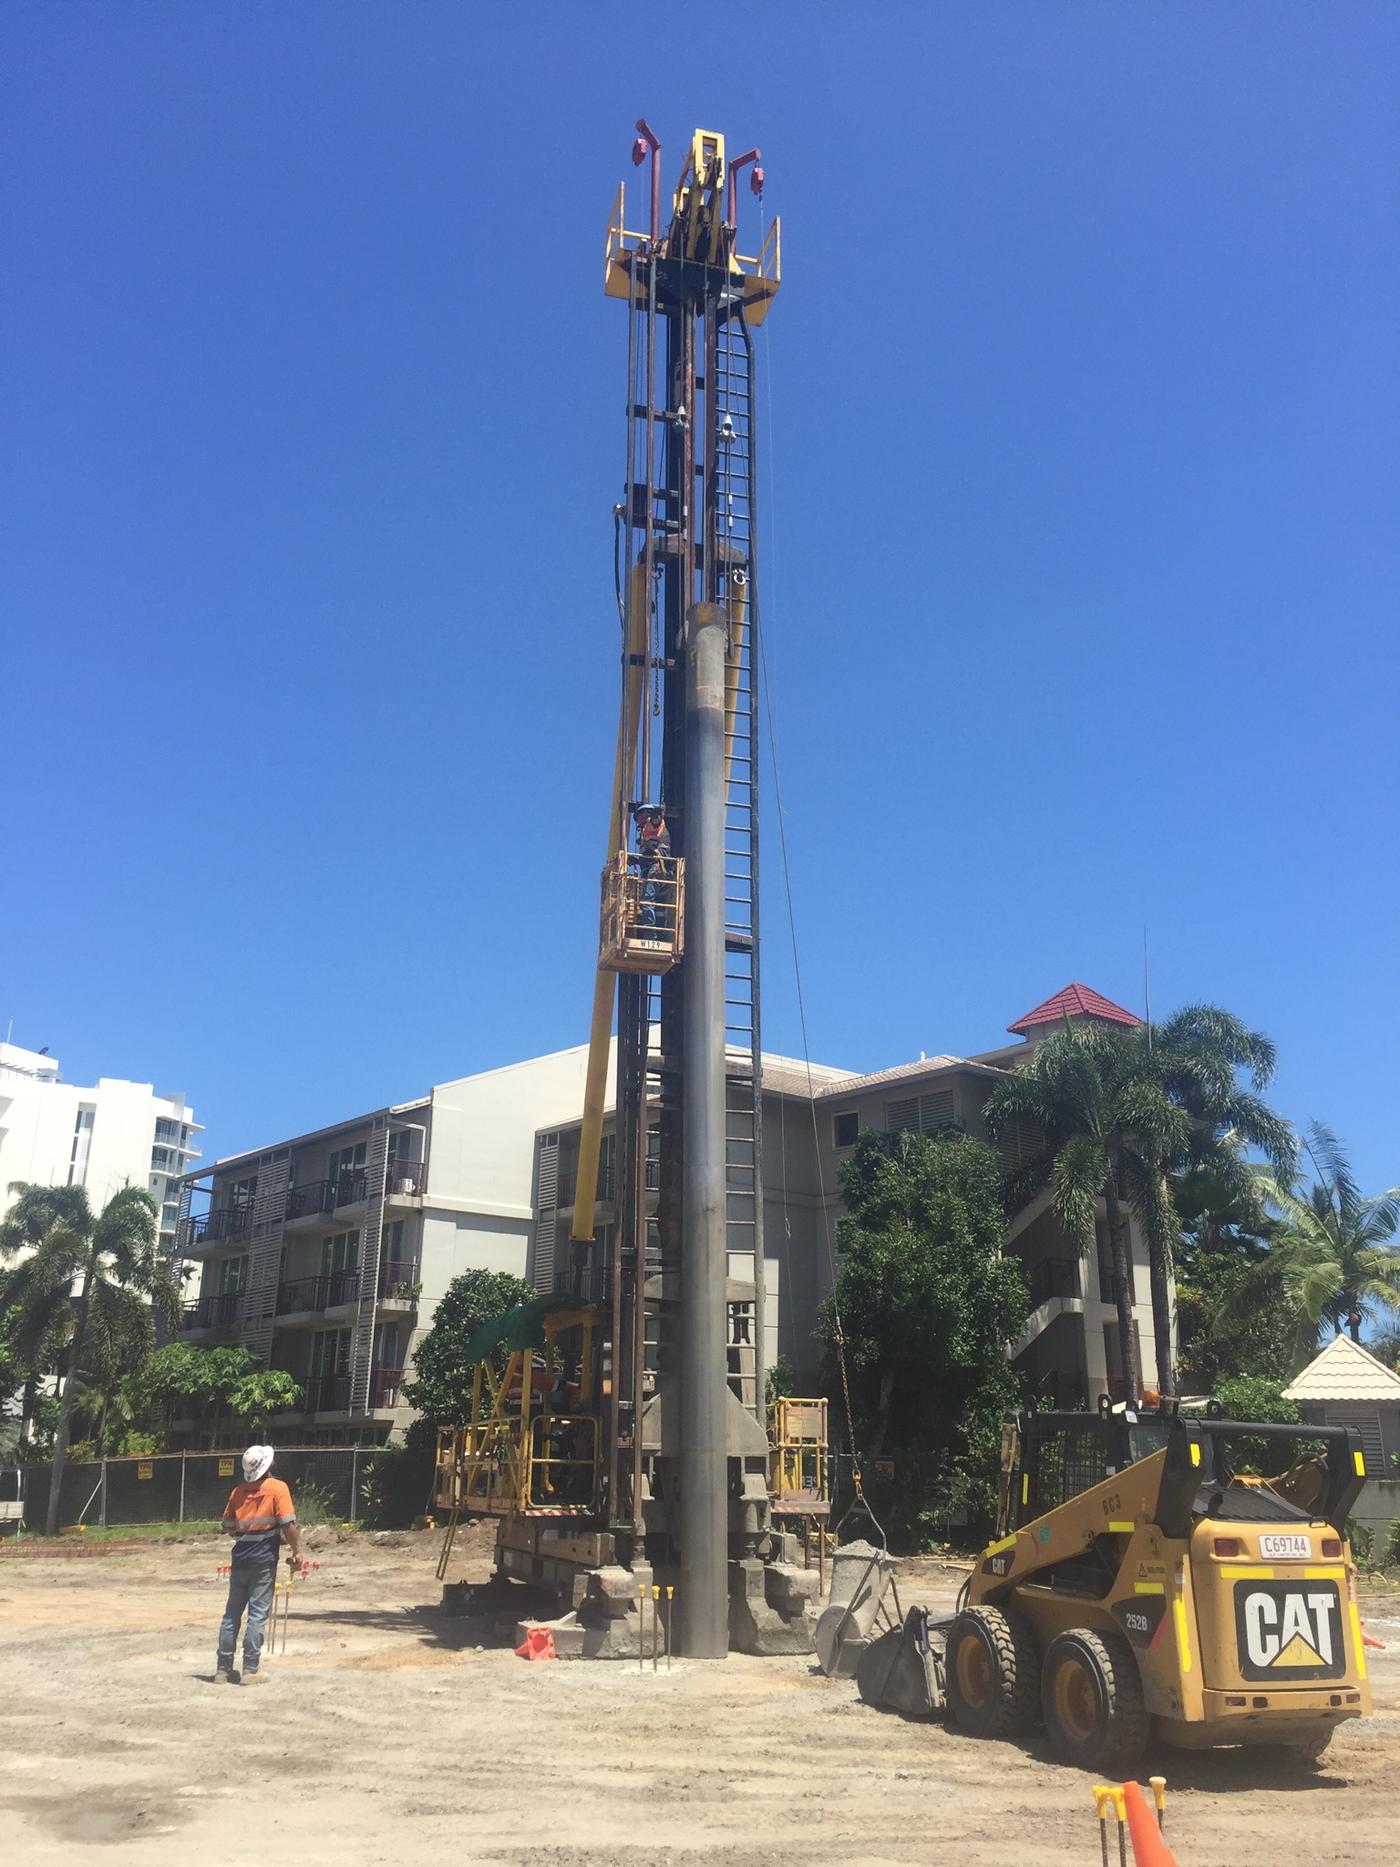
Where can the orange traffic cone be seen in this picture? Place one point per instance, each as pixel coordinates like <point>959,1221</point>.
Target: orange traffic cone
<point>1149,1849</point>
<point>538,1644</point>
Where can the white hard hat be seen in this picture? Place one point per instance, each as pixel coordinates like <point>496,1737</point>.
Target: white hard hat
<point>257,1462</point>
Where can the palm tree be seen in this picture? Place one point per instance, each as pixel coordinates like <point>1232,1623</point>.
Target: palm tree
<point>1198,1055</point>
<point>1107,1125</point>
<point>112,1257</point>
<point>1120,1110</point>
<point>1333,1245</point>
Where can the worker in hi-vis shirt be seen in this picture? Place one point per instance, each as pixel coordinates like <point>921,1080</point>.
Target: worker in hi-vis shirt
<point>258,1516</point>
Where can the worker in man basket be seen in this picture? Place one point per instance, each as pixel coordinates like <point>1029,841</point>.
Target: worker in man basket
<point>653,865</point>
<point>258,1516</point>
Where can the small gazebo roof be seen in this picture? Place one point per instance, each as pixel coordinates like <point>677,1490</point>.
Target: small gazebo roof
<point>1073,1001</point>
<point>1345,1371</point>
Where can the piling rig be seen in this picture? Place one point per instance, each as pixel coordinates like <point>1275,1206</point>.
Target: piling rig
<point>620,1428</point>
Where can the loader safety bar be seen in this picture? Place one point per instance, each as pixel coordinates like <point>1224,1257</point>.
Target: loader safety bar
<point>1198,1481</point>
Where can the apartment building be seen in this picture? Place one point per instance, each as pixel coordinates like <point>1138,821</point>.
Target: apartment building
<point>326,1253</point>
<point>102,1136</point>
<point>1069,1346</point>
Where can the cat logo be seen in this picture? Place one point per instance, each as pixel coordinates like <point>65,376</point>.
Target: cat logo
<point>1289,1630</point>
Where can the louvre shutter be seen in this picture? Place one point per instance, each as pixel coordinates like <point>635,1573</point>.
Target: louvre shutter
<point>1368,1423</point>
<point>544,1248</point>
<point>902,1117</point>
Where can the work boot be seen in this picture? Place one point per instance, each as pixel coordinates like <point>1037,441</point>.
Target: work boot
<point>253,1677</point>
<point>225,1675</point>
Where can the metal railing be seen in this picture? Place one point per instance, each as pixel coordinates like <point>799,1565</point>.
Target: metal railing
<point>400,1278</point>
<point>218,1226</point>
<point>318,1293</point>
<point>219,1312</point>
<point>384,1384</point>
<point>1053,1277</point>
<point>404,1179</point>
<point>328,1393</point>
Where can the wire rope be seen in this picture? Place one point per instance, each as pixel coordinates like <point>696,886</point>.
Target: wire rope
<point>860,1500</point>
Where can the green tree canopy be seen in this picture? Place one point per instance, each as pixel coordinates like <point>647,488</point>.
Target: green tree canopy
<point>112,1257</point>
<point>1118,1110</point>
<point>220,1383</point>
<point>927,1306</point>
<point>442,1385</point>
<point>1332,1247</point>
<point>1221,1255</point>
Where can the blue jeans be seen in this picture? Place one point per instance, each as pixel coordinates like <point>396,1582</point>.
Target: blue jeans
<point>250,1587</point>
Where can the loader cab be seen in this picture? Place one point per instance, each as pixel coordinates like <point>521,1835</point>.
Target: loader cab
<point>1213,1467</point>
<point>1049,1458</point>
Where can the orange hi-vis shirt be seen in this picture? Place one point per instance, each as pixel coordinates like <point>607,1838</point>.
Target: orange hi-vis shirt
<point>255,1517</point>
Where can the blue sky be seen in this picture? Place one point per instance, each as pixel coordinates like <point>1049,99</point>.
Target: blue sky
<point>1081,570</point>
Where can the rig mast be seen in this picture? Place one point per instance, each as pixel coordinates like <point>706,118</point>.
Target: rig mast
<point>653,1444</point>
<point>686,1285</point>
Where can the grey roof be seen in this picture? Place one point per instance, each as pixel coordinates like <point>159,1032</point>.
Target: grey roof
<point>1345,1371</point>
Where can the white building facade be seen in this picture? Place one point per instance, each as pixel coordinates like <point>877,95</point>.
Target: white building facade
<point>101,1137</point>
<point>327,1253</point>
<point>1068,1350</point>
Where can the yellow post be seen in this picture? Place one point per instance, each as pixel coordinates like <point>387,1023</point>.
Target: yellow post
<point>1103,1795</point>
<point>1158,1786</point>
<point>1120,1809</point>
<point>605,985</point>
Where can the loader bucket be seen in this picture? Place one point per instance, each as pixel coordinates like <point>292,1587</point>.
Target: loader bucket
<point>902,1670</point>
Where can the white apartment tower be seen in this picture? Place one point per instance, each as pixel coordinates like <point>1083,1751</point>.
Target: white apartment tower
<point>102,1138</point>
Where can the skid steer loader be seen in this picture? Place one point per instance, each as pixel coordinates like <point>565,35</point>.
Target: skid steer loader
<point>1136,1580</point>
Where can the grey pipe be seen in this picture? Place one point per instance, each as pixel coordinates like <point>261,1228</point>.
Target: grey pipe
<point>703,1596</point>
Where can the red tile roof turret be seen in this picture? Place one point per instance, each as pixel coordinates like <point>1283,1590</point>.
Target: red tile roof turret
<point>1075,1001</point>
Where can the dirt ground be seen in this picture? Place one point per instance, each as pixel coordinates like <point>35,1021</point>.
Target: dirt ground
<point>387,1733</point>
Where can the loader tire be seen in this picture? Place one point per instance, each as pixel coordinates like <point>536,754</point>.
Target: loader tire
<point>1091,1696</point>
<point>993,1673</point>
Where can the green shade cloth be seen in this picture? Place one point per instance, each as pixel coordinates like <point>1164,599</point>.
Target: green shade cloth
<point>522,1327</point>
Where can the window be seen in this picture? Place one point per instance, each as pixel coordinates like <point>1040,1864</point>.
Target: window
<point>168,1131</point>
<point>233,1277</point>
<point>330,1352</point>
<point>82,1144</point>
<point>386,1346</point>
<point>243,1192</point>
<point>920,1114</point>
<point>340,1253</point>
<point>346,1160</point>
<point>845,1128</point>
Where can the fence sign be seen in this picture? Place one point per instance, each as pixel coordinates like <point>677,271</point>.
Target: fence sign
<point>146,1468</point>
<point>225,1468</point>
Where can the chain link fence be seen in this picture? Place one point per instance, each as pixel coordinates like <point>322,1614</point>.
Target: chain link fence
<point>185,1487</point>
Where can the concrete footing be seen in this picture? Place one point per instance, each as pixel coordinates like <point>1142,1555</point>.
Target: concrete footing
<point>770,1607</point>
<point>770,1612</point>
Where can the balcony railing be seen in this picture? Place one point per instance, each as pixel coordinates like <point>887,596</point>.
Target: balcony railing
<point>384,1386</point>
<point>401,1278</point>
<point>318,1293</point>
<point>1053,1277</point>
<point>328,1393</point>
<point>218,1226</point>
<point>213,1312</point>
<point>404,1179</point>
